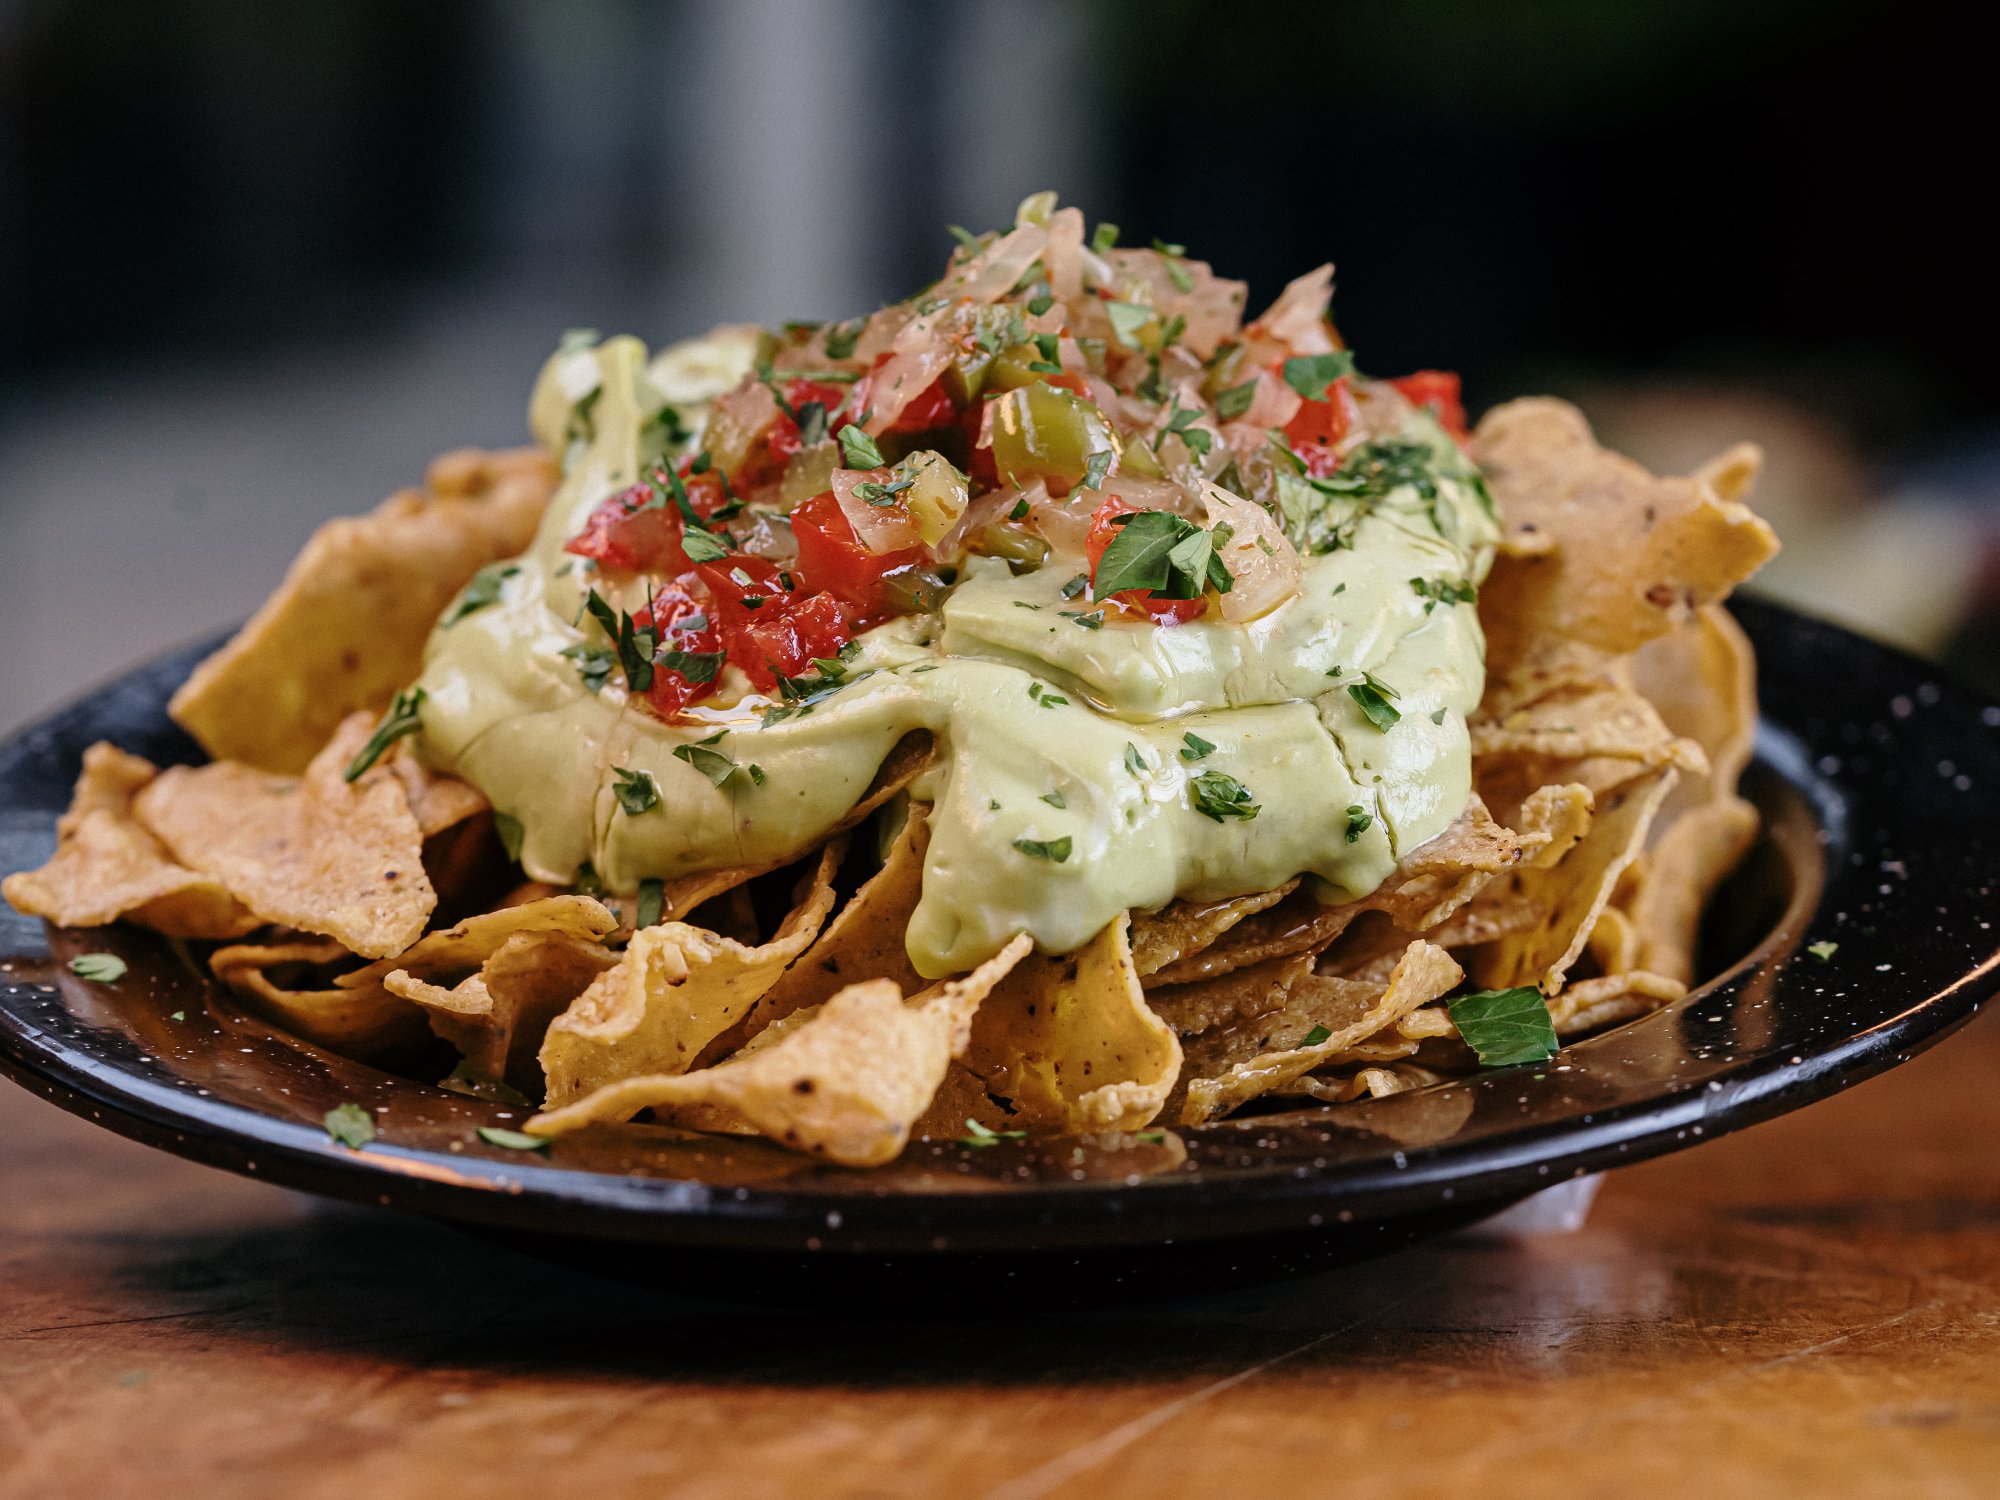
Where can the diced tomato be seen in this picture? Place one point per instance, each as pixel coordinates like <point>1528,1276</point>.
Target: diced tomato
<point>1159,611</point>
<point>1439,390</point>
<point>788,639</point>
<point>766,462</point>
<point>686,623</point>
<point>741,586</point>
<point>1324,422</point>
<point>833,559</point>
<point>930,408</point>
<point>632,531</point>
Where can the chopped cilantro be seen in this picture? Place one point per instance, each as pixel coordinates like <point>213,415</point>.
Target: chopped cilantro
<point>1056,850</point>
<point>652,901</point>
<point>1055,799</point>
<point>859,449</point>
<point>1381,712</point>
<point>1314,1037</point>
<point>1134,761</point>
<point>993,804</point>
<point>1039,305</point>
<point>180,1015</point>
<point>812,423</point>
<point>1094,469</point>
<point>511,833</point>
<point>484,590</point>
<point>842,337</point>
<point>635,647</point>
<point>1076,586</point>
<point>1105,238</point>
<point>696,666</point>
<point>586,882</point>
<point>978,1135</point>
<point>1051,700</point>
<point>1232,403</point>
<point>593,664</point>
<point>1218,796</point>
<point>880,494</point>
<point>636,791</point>
<point>1127,318</point>
<point>713,764</point>
<point>1437,716</point>
<point>1024,604</point>
<point>1019,512</point>
<point>1046,342</point>
<point>514,1140</point>
<point>351,1125</point>
<point>108,968</point>
<point>1165,249</point>
<point>1151,1137</point>
<point>756,773</point>
<point>1094,620</point>
<point>1436,591</point>
<point>1197,747</point>
<point>1311,374</point>
<point>1505,1026</point>
<point>1358,821</point>
<point>1162,553</point>
<point>402,719</point>
<point>964,236</point>
<point>1823,951</point>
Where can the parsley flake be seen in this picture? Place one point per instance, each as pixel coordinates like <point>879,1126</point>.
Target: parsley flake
<point>351,1125</point>
<point>1197,747</point>
<point>1436,591</point>
<point>1055,799</point>
<point>1105,238</point>
<point>1019,512</point>
<point>636,791</point>
<point>1381,712</point>
<point>696,666</point>
<point>978,1135</point>
<point>1094,620</point>
<point>1134,761</point>
<point>100,968</point>
<point>402,719</point>
<point>1218,796</point>
<point>1076,586</point>
<point>1056,850</point>
<point>1127,318</point>
<point>484,590</point>
<point>1314,1037</point>
<point>1505,1026</point>
<point>1358,821</point>
<point>859,449</point>
<point>1232,403</point>
<point>593,664</point>
<point>1095,468</point>
<point>1437,715</point>
<point>756,773</point>
<point>1823,951</point>
<point>1311,374</point>
<point>842,337</point>
<point>713,764</point>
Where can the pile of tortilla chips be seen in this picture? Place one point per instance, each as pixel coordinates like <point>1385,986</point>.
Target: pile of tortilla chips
<point>380,917</point>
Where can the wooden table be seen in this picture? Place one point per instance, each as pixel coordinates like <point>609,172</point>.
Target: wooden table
<point>1809,1308</point>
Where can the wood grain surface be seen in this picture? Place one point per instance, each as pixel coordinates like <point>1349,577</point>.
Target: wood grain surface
<point>1809,1308</point>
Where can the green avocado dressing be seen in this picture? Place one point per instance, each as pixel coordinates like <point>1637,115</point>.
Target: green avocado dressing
<point>1055,739</point>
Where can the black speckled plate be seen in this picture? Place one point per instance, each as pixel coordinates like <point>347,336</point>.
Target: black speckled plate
<point>1876,780</point>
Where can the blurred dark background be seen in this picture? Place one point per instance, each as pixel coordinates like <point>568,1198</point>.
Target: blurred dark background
<point>258,262</point>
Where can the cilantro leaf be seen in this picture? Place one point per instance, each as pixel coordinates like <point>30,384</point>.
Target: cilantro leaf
<point>1105,238</point>
<point>1311,374</point>
<point>1197,747</point>
<point>859,450</point>
<point>713,764</point>
<point>402,719</point>
<point>842,337</point>
<point>1218,796</point>
<point>1056,850</point>
<point>484,590</point>
<point>1232,403</point>
<point>1019,512</point>
<point>1823,951</point>
<point>593,664</point>
<point>1381,712</point>
<point>1055,799</point>
<point>1314,1037</point>
<point>1505,1026</point>
<point>978,1135</point>
<point>812,424</point>
<point>703,546</point>
<point>756,773</point>
<point>351,1125</point>
<point>98,968</point>
<point>1076,586</point>
<point>1358,821</point>
<point>1093,620</point>
<point>1134,761</point>
<point>1094,469</point>
<point>636,791</point>
<point>696,666</point>
<point>514,1140</point>
<point>1436,591</point>
<point>1179,275</point>
<point>652,901</point>
<point>1138,554</point>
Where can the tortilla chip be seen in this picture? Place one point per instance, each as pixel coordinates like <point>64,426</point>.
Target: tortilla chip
<point>845,1080</point>
<point>1489,915</point>
<point>1575,891</point>
<point>1070,1043</point>
<point>1425,973</point>
<point>107,865</point>
<point>347,627</point>
<point>438,802</point>
<point>1563,813</point>
<point>1369,1083</point>
<point>316,854</point>
<point>676,990</point>
<point>865,940</point>
<point>491,984</point>
<point>1635,555</point>
<point>1614,942</point>
<point>912,755</point>
<point>1430,883</point>
<point>1592,1003</point>
<point>1241,994</point>
<point>1575,726</point>
<point>1181,928</point>
<point>367,1024</point>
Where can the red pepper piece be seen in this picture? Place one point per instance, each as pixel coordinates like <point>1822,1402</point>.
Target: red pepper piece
<point>1439,390</point>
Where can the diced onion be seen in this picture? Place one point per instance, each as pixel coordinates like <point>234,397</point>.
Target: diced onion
<point>1265,566</point>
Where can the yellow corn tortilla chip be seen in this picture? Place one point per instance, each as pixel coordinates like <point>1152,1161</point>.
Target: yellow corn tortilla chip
<point>1369,1083</point>
<point>491,984</point>
<point>1182,928</point>
<point>1574,891</point>
<point>367,1024</point>
<point>912,755</point>
<point>1634,555</point>
<point>1070,1043</point>
<point>438,802</point>
<point>107,865</point>
<point>1427,886</point>
<point>1563,813</point>
<point>1605,721</point>
<point>1593,1003</point>
<point>1242,994</point>
<point>316,854</point>
<point>346,629</point>
<point>845,1080</point>
<point>676,990</point>
<point>1614,942</point>
<point>1424,974</point>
